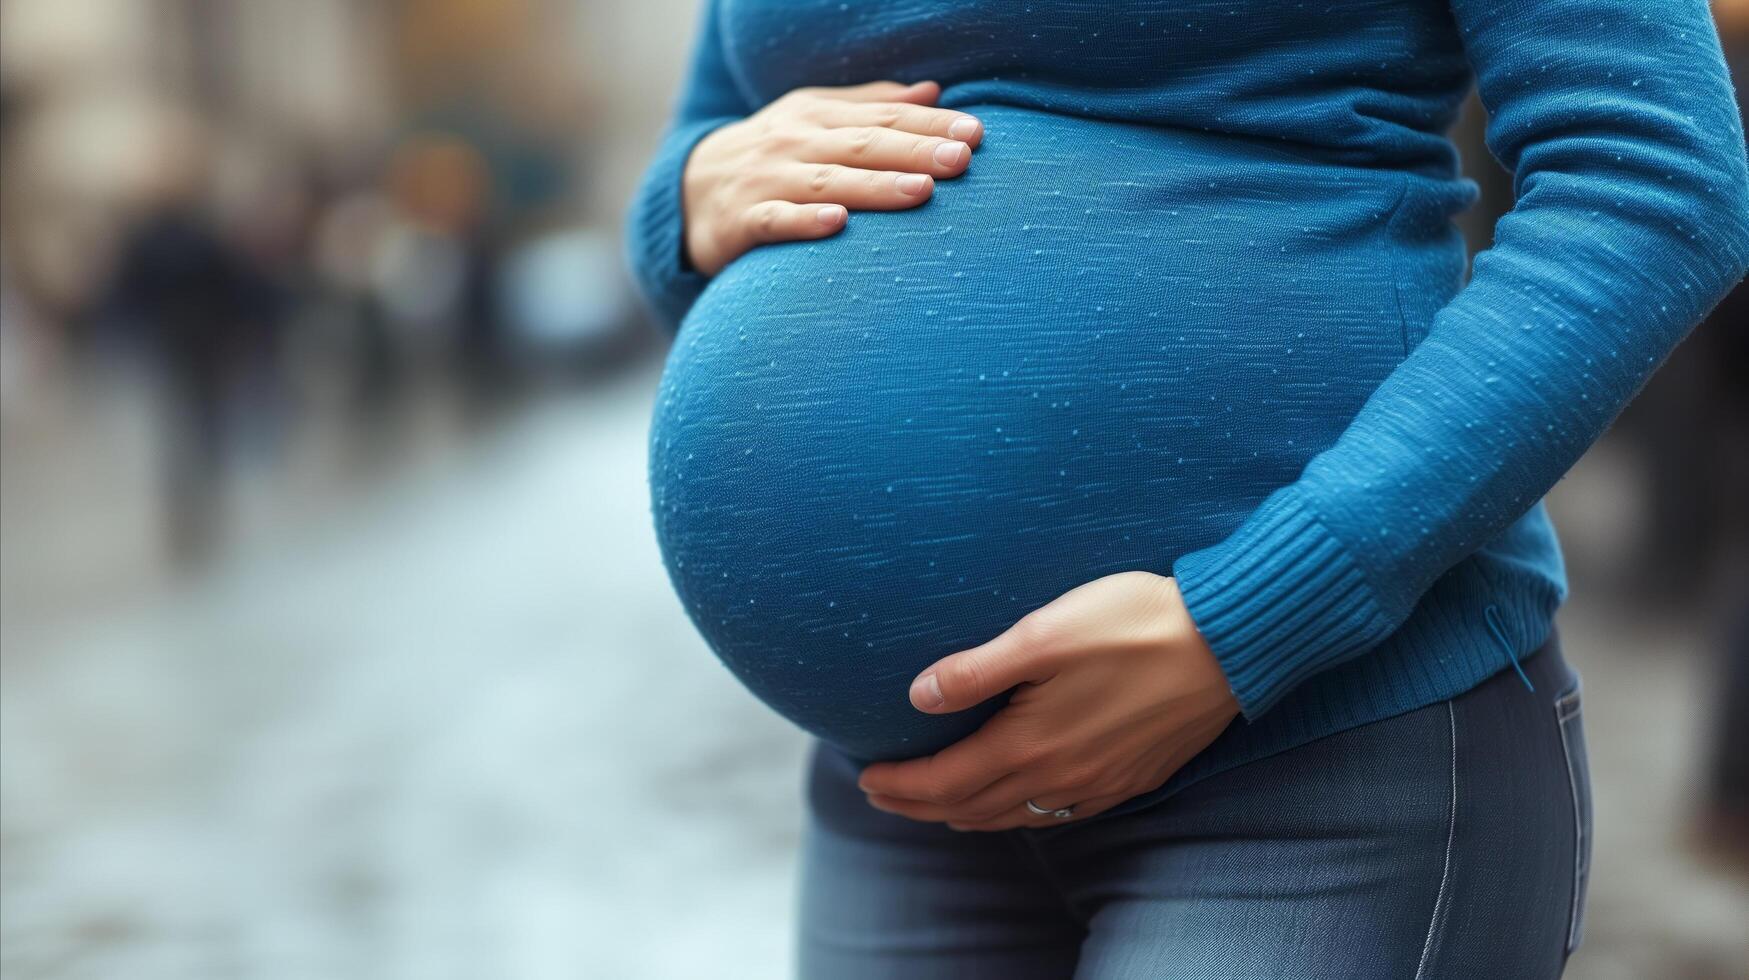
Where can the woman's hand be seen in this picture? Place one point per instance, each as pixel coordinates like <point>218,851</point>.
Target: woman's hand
<point>790,170</point>
<point>1117,691</point>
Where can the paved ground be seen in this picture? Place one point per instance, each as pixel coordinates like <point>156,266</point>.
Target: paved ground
<point>449,722</point>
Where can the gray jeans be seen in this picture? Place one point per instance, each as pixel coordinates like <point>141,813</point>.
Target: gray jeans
<point>1452,841</point>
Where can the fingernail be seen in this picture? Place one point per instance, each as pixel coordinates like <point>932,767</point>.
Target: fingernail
<point>963,128</point>
<point>926,692</point>
<point>912,183</point>
<point>949,154</point>
<point>831,214</point>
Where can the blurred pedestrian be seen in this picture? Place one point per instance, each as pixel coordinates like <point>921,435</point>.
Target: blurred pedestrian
<point>204,313</point>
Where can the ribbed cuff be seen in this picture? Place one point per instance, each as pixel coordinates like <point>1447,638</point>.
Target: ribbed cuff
<point>656,228</point>
<point>1279,600</point>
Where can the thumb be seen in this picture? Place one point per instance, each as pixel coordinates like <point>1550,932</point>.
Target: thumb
<point>959,681</point>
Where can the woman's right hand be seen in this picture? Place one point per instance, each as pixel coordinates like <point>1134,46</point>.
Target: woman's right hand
<point>791,170</point>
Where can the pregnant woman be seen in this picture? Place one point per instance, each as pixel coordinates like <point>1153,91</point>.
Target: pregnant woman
<point>1098,445</point>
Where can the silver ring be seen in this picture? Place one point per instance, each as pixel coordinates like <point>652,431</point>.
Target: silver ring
<point>1061,813</point>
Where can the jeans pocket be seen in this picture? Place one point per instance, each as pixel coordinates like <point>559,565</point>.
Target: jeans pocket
<point>1569,717</point>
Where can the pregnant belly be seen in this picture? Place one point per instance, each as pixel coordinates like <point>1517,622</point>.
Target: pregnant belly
<point>1096,351</point>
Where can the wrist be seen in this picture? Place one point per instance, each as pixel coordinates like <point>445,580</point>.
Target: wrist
<point>1279,600</point>
<point>655,232</point>
<point>700,252</point>
<point>1196,652</point>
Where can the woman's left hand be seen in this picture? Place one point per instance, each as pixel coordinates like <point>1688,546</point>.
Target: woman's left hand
<point>1117,690</point>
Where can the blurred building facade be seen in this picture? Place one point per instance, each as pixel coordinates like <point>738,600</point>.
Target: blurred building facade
<point>419,199</point>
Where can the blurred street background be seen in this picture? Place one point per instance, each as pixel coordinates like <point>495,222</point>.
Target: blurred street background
<point>334,642</point>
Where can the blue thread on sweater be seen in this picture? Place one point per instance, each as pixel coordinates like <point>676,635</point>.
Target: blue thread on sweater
<point>1492,615</point>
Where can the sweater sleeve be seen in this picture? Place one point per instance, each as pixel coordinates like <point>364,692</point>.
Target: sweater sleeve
<point>1618,122</point>
<point>655,225</point>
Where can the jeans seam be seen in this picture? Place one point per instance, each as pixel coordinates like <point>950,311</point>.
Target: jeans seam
<point>1563,716</point>
<point>1030,846</point>
<point>1439,901</point>
<point>1568,705</point>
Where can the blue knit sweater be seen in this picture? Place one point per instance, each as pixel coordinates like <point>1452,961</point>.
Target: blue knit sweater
<point>1198,306</point>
